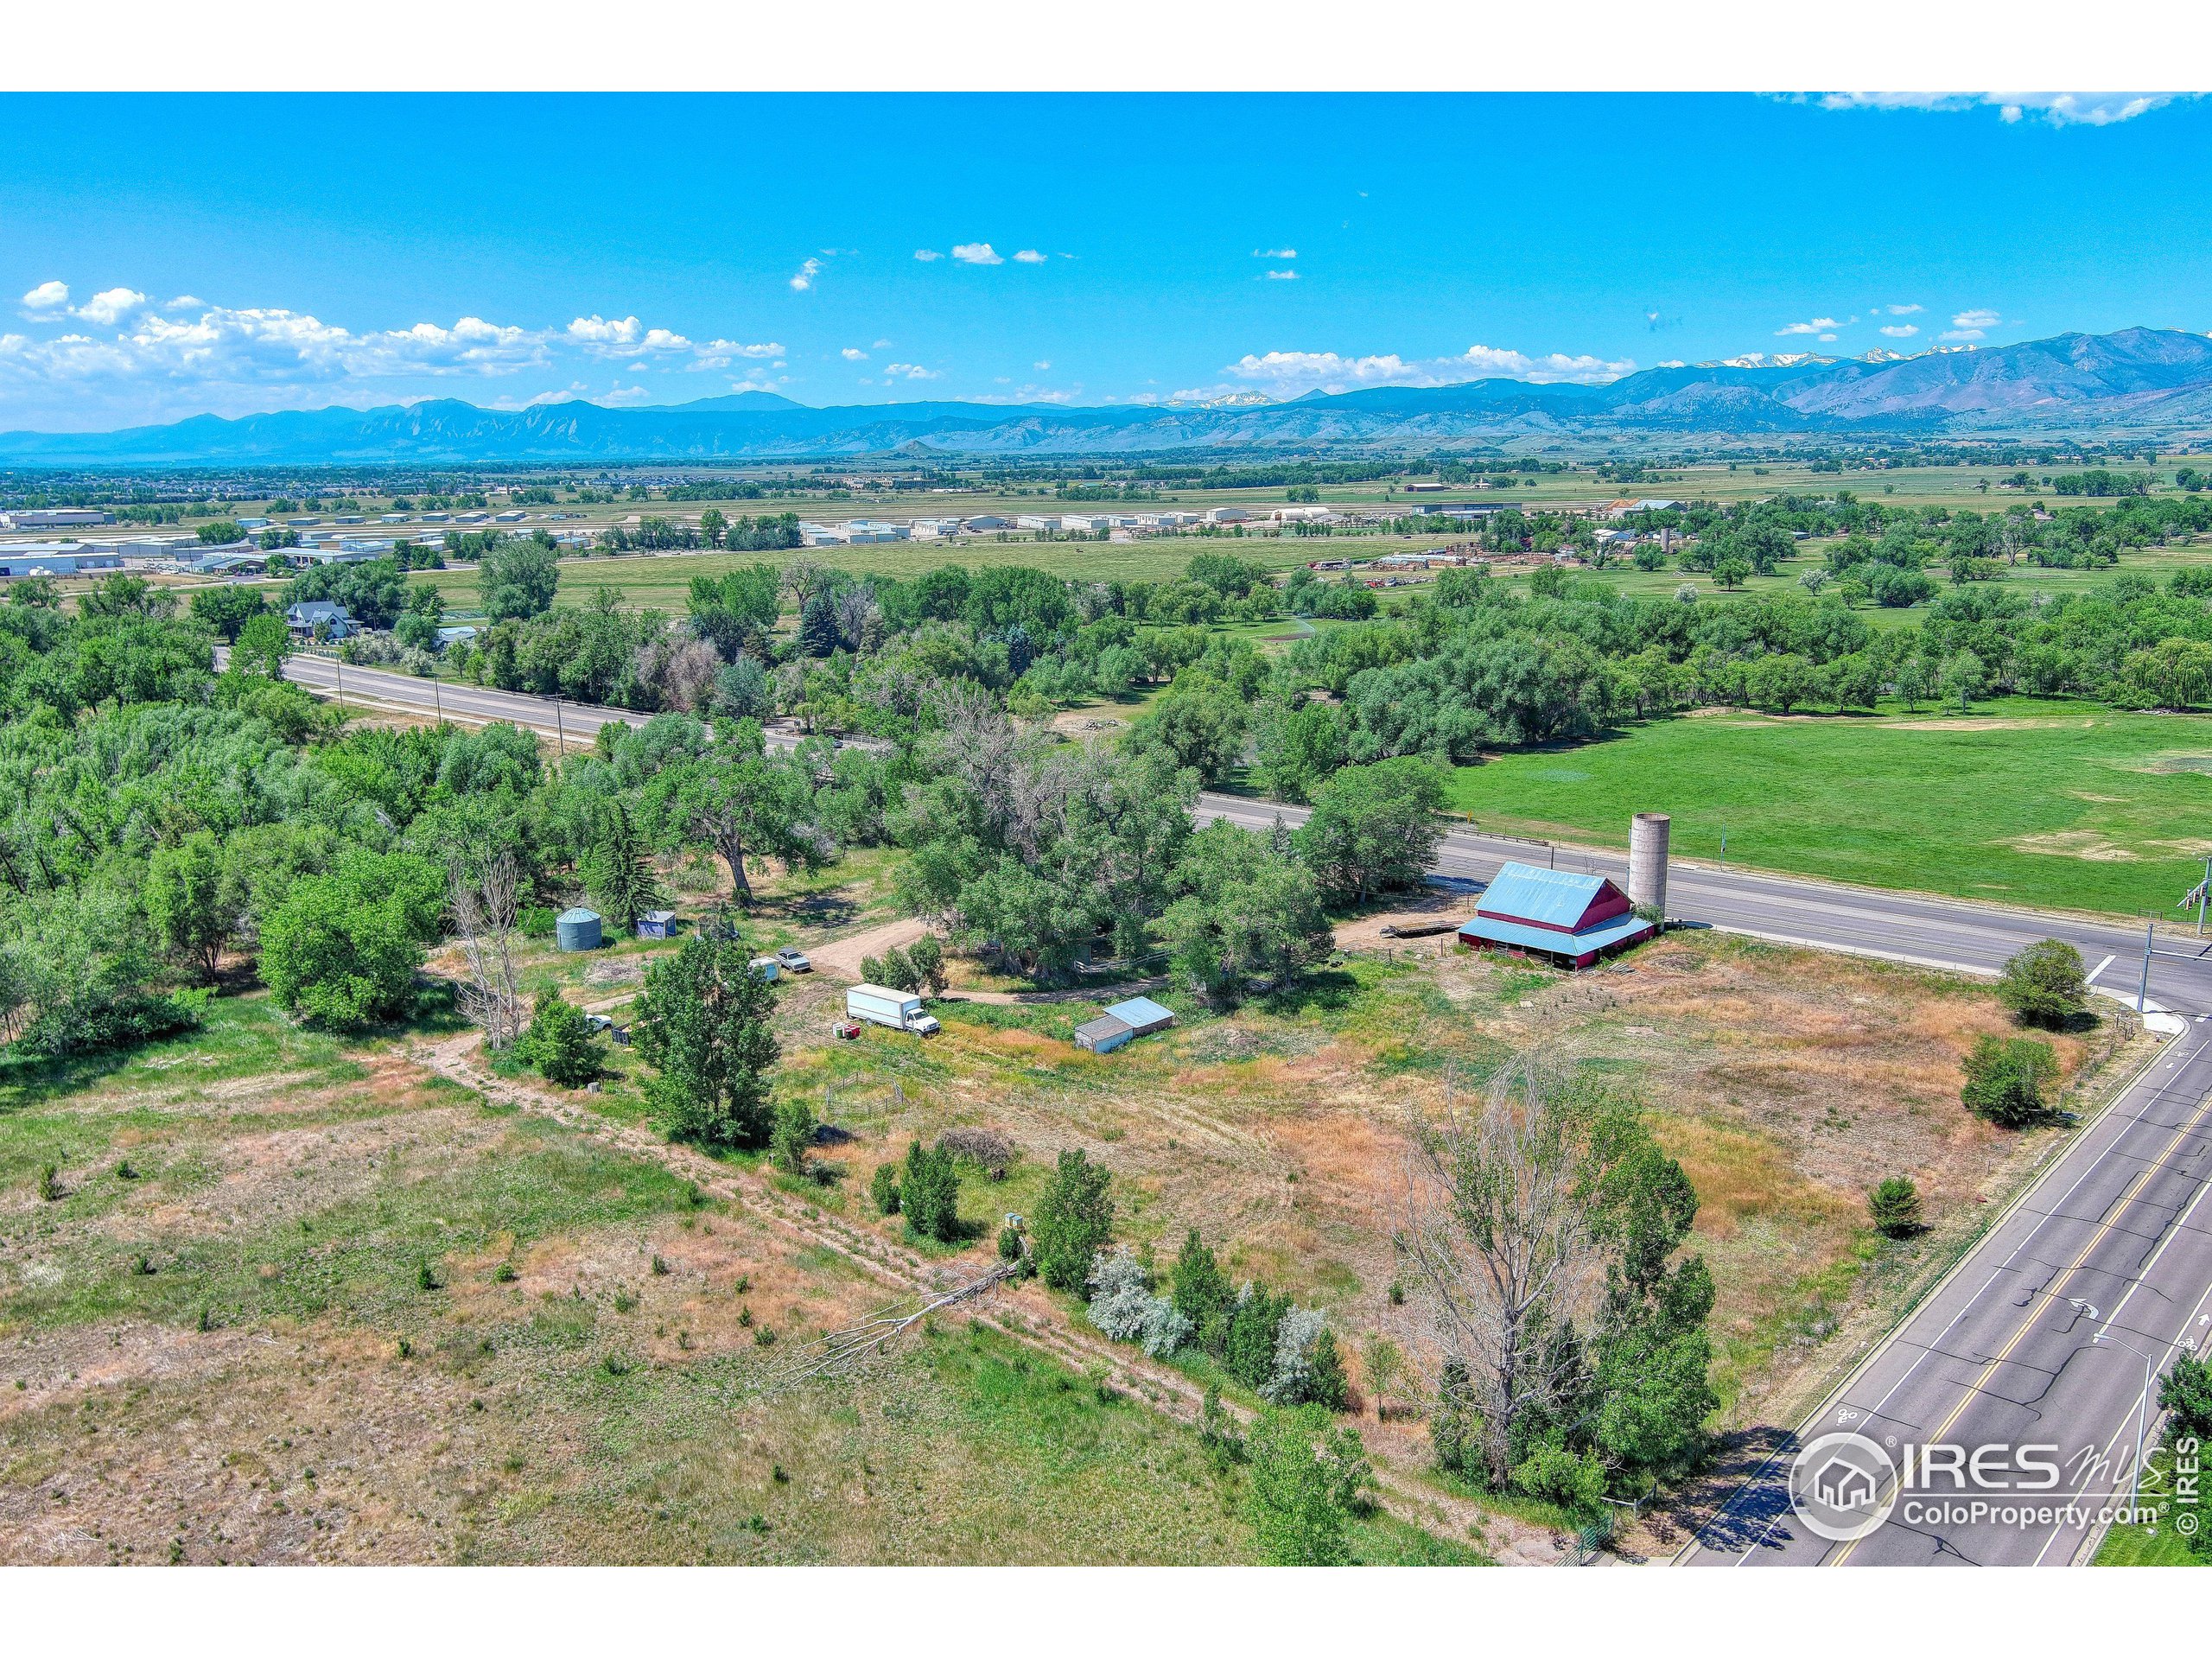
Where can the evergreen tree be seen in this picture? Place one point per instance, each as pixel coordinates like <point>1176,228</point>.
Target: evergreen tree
<point>929,1193</point>
<point>1201,1295</point>
<point>703,1021</point>
<point>622,878</point>
<point>1074,1221</point>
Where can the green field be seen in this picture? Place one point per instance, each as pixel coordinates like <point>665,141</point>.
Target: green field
<point>2062,804</point>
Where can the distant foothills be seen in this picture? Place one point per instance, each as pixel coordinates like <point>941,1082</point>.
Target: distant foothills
<point>2137,382</point>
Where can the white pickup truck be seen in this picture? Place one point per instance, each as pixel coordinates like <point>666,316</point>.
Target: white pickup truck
<point>900,1010</point>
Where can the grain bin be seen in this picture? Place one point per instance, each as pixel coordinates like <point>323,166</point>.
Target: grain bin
<point>1647,861</point>
<point>577,930</point>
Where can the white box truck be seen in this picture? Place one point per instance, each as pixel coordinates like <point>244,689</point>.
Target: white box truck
<point>900,1010</point>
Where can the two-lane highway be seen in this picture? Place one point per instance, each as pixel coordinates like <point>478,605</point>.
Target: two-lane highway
<point>2052,1331</point>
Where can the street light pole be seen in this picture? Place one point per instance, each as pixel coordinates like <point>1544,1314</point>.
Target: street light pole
<point>2143,991</point>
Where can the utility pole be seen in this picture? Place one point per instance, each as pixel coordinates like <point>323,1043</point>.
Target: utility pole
<point>2202,893</point>
<point>437,702</point>
<point>2143,991</point>
<point>561,734</point>
<point>338,664</point>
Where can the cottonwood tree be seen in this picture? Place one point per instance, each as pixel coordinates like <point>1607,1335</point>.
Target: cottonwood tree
<point>1537,1233</point>
<point>738,800</point>
<point>703,1018</point>
<point>482,906</point>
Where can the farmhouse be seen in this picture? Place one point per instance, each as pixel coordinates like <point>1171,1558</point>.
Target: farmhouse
<point>323,616</point>
<point>1575,918</point>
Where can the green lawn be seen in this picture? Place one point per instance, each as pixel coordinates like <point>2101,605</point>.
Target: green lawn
<point>2064,804</point>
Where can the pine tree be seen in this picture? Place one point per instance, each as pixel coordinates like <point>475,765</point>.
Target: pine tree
<point>620,876</point>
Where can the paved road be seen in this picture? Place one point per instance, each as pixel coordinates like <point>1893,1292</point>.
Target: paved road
<point>2043,1335</point>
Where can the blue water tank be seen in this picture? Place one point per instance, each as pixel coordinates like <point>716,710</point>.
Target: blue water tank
<point>577,930</point>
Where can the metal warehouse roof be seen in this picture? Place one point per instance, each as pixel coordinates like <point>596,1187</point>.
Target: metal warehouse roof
<point>1547,897</point>
<point>1564,945</point>
<point>1142,1013</point>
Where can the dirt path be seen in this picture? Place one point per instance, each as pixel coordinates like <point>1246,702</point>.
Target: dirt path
<point>1026,1314</point>
<point>842,958</point>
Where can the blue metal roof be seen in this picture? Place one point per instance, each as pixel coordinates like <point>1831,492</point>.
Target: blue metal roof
<point>1564,945</point>
<point>1142,1011</point>
<point>1528,895</point>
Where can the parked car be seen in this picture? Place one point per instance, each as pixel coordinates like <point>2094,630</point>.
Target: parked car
<point>794,962</point>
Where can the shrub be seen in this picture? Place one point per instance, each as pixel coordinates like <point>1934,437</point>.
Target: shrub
<point>1292,1496</point>
<point>2186,1391</point>
<point>793,1138</point>
<point>1202,1295</point>
<point>2043,985</point>
<point>1009,1242</point>
<point>987,1149</point>
<point>1894,1206</point>
<point>2005,1079</point>
<point>49,1184</point>
<point>1308,1370</point>
<point>1249,1348</point>
<point>559,1043</point>
<point>1555,1475</point>
<point>883,1189</point>
<point>1123,1307</point>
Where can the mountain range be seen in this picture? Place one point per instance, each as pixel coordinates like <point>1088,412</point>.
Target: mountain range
<point>2139,381</point>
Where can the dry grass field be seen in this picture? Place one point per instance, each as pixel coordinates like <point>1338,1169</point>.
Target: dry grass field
<point>302,1300</point>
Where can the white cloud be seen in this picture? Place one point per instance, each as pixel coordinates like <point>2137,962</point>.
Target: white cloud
<point>907,371</point>
<point>1274,253</point>
<point>185,302</point>
<point>976,253</point>
<point>853,354</point>
<point>1040,364</point>
<point>1287,374</point>
<point>1030,257</point>
<point>882,344</point>
<point>1282,275</point>
<point>1903,310</point>
<point>627,337</point>
<point>1901,330</point>
<point>1827,338</point>
<point>1817,326</point>
<point>2059,109</point>
<point>617,395</point>
<point>107,308</point>
<point>1971,324</point>
<point>803,278</point>
<point>925,255</point>
<point>46,298</point>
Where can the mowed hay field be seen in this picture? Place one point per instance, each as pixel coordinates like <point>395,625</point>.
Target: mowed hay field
<point>2061,805</point>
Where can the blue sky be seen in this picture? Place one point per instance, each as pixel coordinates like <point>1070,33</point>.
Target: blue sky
<point>174,255</point>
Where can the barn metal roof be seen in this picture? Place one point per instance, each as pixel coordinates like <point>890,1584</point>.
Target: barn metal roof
<point>1601,938</point>
<point>1548,898</point>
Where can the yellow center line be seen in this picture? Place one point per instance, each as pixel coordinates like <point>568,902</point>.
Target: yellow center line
<point>1989,1371</point>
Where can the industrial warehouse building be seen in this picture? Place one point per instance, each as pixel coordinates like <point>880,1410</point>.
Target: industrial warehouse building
<point>1575,918</point>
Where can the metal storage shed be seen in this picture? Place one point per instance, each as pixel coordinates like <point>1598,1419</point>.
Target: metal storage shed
<point>1142,1015</point>
<point>577,930</point>
<point>1104,1034</point>
<point>657,925</point>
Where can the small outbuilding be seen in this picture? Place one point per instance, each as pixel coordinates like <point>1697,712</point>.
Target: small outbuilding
<point>1138,1017</point>
<point>577,930</point>
<point>1573,918</point>
<point>657,925</point>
